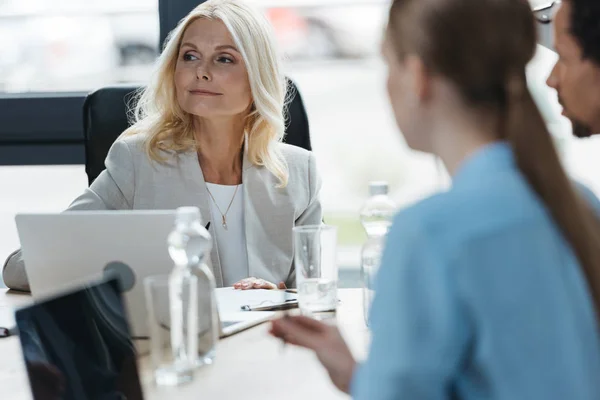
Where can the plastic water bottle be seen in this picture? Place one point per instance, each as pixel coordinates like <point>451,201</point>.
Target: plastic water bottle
<point>376,217</point>
<point>193,311</point>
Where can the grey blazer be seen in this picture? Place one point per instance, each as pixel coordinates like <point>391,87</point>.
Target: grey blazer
<point>133,181</point>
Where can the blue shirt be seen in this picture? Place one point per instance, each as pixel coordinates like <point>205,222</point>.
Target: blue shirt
<point>480,297</point>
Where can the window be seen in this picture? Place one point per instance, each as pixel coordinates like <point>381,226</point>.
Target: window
<point>52,52</point>
<point>75,45</point>
<point>354,139</point>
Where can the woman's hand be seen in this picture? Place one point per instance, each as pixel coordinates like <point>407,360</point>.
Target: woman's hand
<point>256,283</point>
<point>325,340</point>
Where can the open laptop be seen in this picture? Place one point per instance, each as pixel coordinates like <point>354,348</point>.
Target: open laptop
<point>78,346</point>
<point>67,249</point>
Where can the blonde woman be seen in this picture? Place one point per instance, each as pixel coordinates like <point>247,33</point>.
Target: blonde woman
<point>207,133</point>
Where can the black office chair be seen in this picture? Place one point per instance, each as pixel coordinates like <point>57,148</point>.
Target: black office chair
<point>105,118</point>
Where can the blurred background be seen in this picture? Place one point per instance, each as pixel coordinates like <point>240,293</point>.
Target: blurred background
<point>331,50</point>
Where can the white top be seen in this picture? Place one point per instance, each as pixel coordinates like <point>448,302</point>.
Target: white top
<point>231,242</point>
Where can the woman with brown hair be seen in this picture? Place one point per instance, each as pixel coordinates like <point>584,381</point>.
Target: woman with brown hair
<point>492,289</point>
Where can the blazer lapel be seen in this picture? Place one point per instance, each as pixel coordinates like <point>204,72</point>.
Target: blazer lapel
<point>268,225</point>
<point>201,200</point>
<point>250,217</point>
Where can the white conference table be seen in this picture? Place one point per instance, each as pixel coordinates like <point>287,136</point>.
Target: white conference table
<point>249,365</point>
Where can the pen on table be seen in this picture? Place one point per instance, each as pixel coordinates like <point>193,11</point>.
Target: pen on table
<point>285,305</point>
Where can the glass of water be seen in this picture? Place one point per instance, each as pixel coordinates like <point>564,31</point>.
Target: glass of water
<point>316,267</point>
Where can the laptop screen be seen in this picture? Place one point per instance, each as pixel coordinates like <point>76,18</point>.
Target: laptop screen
<point>78,346</point>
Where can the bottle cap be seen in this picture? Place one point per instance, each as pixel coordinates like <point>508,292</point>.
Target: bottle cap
<point>188,215</point>
<point>378,188</point>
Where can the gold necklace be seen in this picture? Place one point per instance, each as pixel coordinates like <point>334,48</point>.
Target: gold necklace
<point>223,216</point>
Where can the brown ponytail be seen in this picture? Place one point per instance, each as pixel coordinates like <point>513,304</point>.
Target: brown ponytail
<point>538,161</point>
<point>497,42</point>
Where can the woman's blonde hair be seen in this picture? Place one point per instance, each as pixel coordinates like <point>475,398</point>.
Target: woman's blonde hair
<point>158,115</point>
